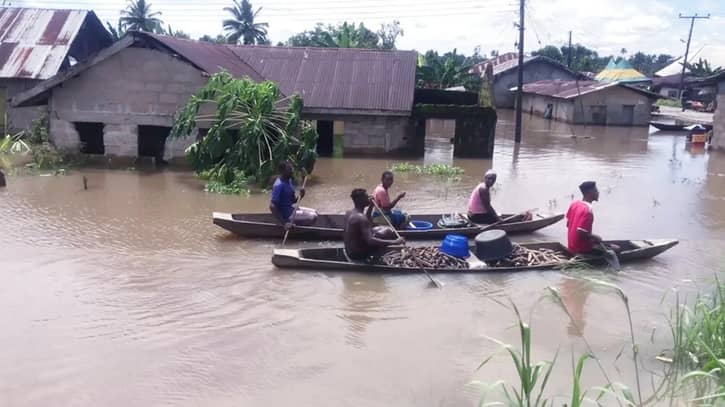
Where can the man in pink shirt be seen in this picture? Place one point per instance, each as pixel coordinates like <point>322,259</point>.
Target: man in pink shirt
<point>382,200</point>
<point>479,204</point>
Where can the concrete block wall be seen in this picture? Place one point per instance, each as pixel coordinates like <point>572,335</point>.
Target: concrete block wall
<point>20,118</point>
<point>135,87</point>
<point>376,134</point>
<point>718,133</point>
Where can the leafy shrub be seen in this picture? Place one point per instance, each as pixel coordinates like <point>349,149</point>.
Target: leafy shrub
<point>252,130</point>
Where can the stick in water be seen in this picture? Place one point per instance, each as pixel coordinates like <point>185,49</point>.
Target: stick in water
<point>292,218</point>
<point>412,253</point>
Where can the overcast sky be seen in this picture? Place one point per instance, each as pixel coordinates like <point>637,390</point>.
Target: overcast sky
<point>607,26</point>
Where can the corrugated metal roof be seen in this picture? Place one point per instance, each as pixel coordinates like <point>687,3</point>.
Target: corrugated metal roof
<point>565,89</point>
<point>208,57</point>
<point>561,89</point>
<point>326,78</point>
<point>331,78</point>
<point>35,42</point>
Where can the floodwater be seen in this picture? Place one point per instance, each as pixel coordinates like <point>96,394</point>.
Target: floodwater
<point>127,295</point>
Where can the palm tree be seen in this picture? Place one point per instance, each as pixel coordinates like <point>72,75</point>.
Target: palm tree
<point>242,25</point>
<point>138,17</point>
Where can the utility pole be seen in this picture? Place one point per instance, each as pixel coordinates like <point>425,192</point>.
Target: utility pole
<point>687,53</point>
<point>520,87</point>
<point>568,57</point>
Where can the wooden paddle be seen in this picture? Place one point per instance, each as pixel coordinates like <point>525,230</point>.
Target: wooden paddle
<point>611,257</point>
<point>504,220</point>
<point>412,254</point>
<point>292,218</point>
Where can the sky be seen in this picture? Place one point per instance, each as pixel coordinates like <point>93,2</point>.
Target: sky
<point>607,26</point>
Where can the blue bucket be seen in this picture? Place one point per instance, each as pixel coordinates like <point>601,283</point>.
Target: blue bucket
<point>455,245</point>
<point>420,225</point>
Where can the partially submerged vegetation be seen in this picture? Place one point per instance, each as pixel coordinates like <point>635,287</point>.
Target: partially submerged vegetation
<point>697,356</point>
<point>253,128</point>
<point>31,152</point>
<point>695,374</point>
<point>442,170</point>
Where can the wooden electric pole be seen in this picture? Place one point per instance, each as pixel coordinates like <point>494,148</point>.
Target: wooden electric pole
<point>687,53</point>
<point>568,56</point>
<point>520,87</point>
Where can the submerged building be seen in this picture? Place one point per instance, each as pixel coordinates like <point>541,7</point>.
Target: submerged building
<point>505,74</point>
<point>589,102</point>
<point>36,44</point>
<point>122,101</point>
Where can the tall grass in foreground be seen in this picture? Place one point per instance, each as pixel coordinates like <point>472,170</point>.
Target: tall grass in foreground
<point>698,350</point>
<point>695,376</point>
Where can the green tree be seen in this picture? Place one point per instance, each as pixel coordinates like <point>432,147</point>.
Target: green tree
<point>449,70</point>
<point>242,25</point>
<point>389,33</point>
<point>251,131</point>
<point>345,35</point>
<point>702,68</point>
<point>219,39</point>
<point>552,52</point>
<point>116,32</point>
<point>138,17</point>
<point>649,64</point>
<point>172,33</point>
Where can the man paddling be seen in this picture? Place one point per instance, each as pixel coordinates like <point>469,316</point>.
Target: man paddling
<point>362,241</point>
<point>479,204</point>
<point>580,221</point>
<point>283,199</point>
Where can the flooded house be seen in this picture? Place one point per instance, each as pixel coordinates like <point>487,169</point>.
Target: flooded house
<point>36,44</point>
<point>122,101</point>
<point>536,68</point>
<point>588,102</point>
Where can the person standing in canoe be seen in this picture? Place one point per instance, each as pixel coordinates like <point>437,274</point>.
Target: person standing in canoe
<point>397,217</point>
<point>580,221</point>
<point>283,199</point>
<point>362,240</point>
<point>479,204</point>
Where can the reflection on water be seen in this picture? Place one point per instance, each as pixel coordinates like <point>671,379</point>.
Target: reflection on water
<point>127,294</point>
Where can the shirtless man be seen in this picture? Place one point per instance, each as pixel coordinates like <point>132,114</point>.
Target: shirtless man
<point>361,239</point>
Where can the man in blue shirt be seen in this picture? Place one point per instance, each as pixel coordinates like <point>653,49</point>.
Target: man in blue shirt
<point>283,199</point>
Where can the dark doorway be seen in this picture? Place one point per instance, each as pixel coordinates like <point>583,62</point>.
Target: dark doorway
<point>152,140</point>
<point>599,114</point>
<point>326,140</point>
<point>91,137</point>
<point>628,115</point>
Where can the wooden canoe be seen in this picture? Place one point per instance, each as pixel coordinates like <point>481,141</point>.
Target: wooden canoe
<point>329,227</point>
<point>668,126</point>
<point>320,259</point>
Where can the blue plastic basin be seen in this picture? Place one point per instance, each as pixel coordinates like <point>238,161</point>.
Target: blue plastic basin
<point>420,225</point>
<point>455,245</point>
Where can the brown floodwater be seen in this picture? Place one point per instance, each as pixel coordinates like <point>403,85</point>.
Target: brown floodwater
<point>126,294</point>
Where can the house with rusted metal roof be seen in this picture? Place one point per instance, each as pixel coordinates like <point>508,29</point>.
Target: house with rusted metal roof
<point>589,102</point>
<point>505,74</point>
<point>122,101</point>
<point>36,44</point>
